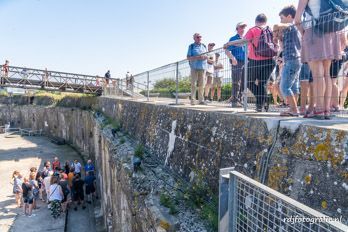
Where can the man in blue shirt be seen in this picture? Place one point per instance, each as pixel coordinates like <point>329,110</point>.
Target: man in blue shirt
<point>198,63</point>
<point>89,167</point>
<point>236,54</point>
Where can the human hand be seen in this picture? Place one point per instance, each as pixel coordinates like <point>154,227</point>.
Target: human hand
<point>203,57</point>
<point>234,61</point>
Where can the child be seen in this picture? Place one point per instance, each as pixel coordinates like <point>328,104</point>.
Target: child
<point>17,187</point>
<point>290,37</point>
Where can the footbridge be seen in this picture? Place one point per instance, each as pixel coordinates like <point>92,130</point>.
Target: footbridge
<point>28,78</point>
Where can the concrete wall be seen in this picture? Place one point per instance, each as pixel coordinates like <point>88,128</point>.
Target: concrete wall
<point>305,161</point>
<point>127,200</point>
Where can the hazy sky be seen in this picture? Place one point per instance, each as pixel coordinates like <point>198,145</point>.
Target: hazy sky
<point>91,36</point>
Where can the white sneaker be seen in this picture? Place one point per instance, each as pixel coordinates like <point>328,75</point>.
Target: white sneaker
<point>32,215</point>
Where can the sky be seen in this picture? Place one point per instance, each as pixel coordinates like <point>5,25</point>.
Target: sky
<point>92,36</point>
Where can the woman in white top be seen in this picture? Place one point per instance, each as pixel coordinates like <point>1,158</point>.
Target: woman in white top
<point>55,197</point>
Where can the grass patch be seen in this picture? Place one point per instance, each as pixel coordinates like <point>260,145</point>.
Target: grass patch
<point>167,202</point>
<point>139,151</point>
<point>199,196</point>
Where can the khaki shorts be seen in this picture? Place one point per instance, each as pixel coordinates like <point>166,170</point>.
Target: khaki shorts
<point>209,78</point>
<point>217,82</point>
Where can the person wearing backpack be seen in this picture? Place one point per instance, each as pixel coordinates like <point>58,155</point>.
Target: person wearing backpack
<point>198,64</point>
<point>261,63</point>
<point>320,45</point>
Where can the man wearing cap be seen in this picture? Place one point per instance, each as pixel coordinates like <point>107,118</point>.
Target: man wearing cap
<point>236,54</point>
<point>209,72</point>
<point>198,63</point>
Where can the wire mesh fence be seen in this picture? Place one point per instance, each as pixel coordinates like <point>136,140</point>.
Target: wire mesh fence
<point>291,69</point>
<point>247,205</point>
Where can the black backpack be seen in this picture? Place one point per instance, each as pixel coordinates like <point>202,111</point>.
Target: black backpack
<point>265,46</point>
<point>333,16</point>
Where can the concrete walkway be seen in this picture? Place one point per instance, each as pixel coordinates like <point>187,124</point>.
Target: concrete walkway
<point>21,153</point>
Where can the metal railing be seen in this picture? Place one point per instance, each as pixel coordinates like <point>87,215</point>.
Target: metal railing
<point>253,84</point>
<point>27,78</point>
<point>247,205</point>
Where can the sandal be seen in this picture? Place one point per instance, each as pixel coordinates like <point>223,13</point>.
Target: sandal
<point>335,109</point>
<point>288,114</point>
<point>320,115</point>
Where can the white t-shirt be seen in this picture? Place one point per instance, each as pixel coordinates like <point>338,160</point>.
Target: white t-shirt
<point>314,5</point>
<point>210,67</point>
<point>55,194</point>
<point>218,72</point>
<point>77,167</point>
<point>47,183</point>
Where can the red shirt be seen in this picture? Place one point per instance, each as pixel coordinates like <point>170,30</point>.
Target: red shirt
<point>253,36</point>
<point>5,67</point>
<point>55,164</point>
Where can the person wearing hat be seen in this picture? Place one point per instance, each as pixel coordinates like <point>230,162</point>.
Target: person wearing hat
<point>218,75</point>
<point>198,64</point>
<point>209,72</point>
<point>236,54</point>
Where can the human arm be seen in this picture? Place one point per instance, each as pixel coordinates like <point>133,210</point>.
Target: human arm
<point>211,59</point>
<point>200,57</point>
<point>231,57</point>
<point>218,66</point>
<point>299,12</point>
<point>61,191</point>
<point>191,57</point>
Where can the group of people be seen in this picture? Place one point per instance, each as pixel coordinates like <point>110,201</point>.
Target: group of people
<point>304,55</point>
<point>58,185</point>
<point>116,82</point>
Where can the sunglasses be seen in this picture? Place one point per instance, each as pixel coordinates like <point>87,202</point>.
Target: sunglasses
<point>198,37</point>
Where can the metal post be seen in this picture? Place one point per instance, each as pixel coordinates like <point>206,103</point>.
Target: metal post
<point>232,203</point>
<point>148,85</point>
<point>245,92</point>
<point>177,84</point>
<point>11,94</point>
<point>121,88</point>
<point>223,199</point>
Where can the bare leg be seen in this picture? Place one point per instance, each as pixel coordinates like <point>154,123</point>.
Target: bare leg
<point>335,93</point>
<point>318,84</point>
<point>25,208</point>
<point>207,86</point>
<point>30,209</point>
<point>311,97</point>
<point>328,86</point>
<point>219,93</point>
<point>293,104</point>
<point>344,91</point>
<point>213,92</point>
<point>18,200</point>
<point>304,96</point>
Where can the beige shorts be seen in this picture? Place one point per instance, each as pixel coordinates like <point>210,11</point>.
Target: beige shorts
<point>217,82</point>
<point>209,78</point>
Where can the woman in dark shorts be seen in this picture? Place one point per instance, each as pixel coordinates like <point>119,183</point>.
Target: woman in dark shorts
<point>90,186</point>
<point>28,198</point>
<point>66,190</point>
<point>78,194</point>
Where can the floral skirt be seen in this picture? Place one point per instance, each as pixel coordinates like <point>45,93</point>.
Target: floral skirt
<point>56,208</point>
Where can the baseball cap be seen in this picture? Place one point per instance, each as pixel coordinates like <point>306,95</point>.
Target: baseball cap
<point>241,24</point>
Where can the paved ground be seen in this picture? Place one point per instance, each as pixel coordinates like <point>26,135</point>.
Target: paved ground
<point>21,153</point>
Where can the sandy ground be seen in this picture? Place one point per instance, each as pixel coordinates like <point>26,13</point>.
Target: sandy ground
<point>21,153</point>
